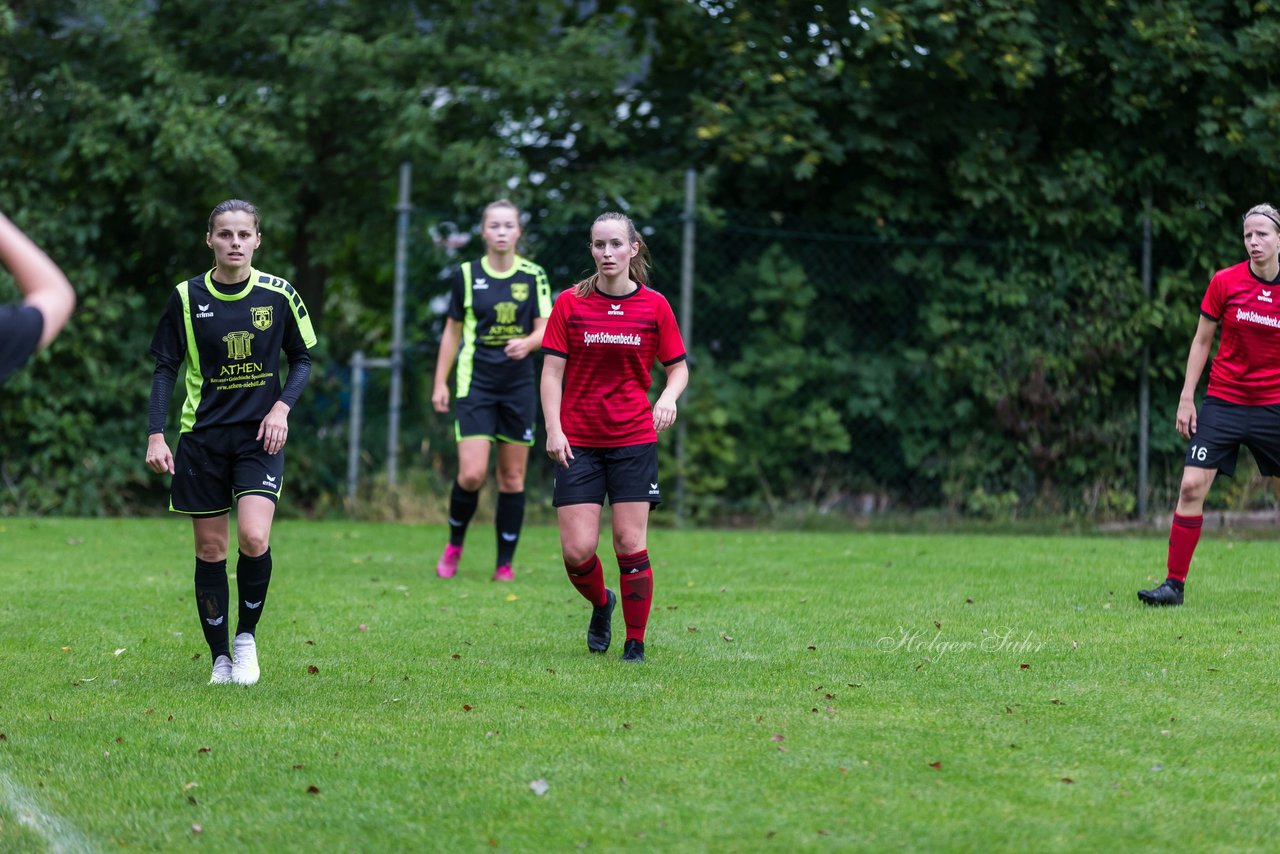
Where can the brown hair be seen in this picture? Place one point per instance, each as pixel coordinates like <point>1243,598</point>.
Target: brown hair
<point>637,268</point>
<point>235,205</point>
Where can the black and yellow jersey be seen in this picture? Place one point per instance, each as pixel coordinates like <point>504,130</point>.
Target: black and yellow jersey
<point>494,308</point>
<point>229,339</point>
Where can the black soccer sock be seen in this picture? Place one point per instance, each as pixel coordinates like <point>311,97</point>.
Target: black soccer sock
<point>509,521</point>
<point>253,574</point>
<point>462,506</point>
<point>212,598</point>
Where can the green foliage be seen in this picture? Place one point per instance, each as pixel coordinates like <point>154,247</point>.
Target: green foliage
<point>1002,153</point>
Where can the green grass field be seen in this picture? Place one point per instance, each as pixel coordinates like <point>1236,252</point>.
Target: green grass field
<point>815,691</point>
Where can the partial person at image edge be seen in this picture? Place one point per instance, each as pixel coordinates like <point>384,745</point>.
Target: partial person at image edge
<point>1242,403</point>
<point>48,300</point>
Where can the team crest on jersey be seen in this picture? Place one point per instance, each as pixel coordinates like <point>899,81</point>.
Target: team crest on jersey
<point>261,315</point>
<point>519,291</point>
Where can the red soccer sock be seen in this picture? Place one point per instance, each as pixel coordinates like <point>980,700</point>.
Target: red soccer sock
<point>589,579</point>
<point>636,578</point>
<point>1183,536</point>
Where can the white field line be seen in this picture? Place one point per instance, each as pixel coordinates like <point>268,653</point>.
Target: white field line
<point>60,836</point>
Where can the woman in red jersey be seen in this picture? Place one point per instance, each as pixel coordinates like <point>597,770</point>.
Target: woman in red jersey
<point>1242,403</point>
<point>600,344</point>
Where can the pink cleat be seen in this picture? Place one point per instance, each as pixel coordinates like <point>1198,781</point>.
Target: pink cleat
<point>447,566</point>
<point>504,573</point>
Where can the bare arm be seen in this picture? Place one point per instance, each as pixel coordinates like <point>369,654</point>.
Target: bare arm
<point>43,285</point>
<point>552,394</point>
<point>1196,359</point>
<point>444,363</point>
<point>664,411</point>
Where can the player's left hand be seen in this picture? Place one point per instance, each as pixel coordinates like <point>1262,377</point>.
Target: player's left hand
<point>273,432</point>
<point>664,415</point>
<point>517,348</point>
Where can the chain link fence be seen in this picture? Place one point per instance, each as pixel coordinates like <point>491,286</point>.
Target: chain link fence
<point>844,374</point>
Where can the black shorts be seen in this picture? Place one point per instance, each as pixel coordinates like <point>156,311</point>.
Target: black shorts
<point>214,468</point>
<point>497,416</point>
<point>623,474</point>
<point>1222,427</point>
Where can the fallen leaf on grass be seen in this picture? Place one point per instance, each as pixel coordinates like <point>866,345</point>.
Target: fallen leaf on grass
<point>693,628</point>
<point>466,707</point>
<point>205,750</point>
<point>66,649</point>
<point>968,600</point>
<point>3,737</point>
<point>1024,666</point>
<point>1067,780</point>
<point>313,790</point>
<point>777,736</point>
<point>811,647</point>
<point>299,767</point>
<point>728,639</point>
<point>119,740</point>
<point>197,828</point>
<point>312,669</point>
<point>191,800</point>
<point>311,643</point>
<point>539,787</point>
<point>120,650</point>
<point>937,766</point>
<point>626,726</point>
<point>455,656</point>
<point>511,597</point>
<point>88,678</point>
<point>937,625</point>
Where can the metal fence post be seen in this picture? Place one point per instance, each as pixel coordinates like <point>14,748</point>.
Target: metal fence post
<point>1144,381</point>
<point>353,438</point>
<point>686,324</point>
<point>403,209</point>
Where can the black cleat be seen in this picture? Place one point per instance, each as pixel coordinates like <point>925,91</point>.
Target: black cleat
<point>1165,594</point>
<point>600,629</point>
<point>633,650</point>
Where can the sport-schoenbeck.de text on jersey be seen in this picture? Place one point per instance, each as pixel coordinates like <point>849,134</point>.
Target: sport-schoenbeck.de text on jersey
<point>589,338</point>
<point>1254,317</point>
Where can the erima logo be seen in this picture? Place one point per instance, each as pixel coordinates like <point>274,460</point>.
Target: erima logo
<point>528,435</point>
<point>653,489</point>
<point>1265,296</point>
<point>615,309</point>
<point>270,482</point>
<point>252,606</point>
<point>510,538</point>
<point>481,285</point>
<point>216,622</point>
<point>204,311</point>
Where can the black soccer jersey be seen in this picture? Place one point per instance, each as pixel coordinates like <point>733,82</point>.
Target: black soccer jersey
<point>20,329</point>
<point>230,343</point>
<point>494,308</point>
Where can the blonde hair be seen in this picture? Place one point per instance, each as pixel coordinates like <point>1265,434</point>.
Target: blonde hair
<point>637,267</point>
<point>1266,210</point>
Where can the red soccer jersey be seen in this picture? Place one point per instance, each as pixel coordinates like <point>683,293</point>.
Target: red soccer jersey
<point>610,344</point>
<point>1246,368</point>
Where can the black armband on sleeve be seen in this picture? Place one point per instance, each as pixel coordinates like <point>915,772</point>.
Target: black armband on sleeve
<point>299,373</point>
<point>166,374</point>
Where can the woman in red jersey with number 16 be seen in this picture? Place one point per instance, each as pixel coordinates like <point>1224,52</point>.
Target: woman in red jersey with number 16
<point>601,341</point>
<point>1242,403</point>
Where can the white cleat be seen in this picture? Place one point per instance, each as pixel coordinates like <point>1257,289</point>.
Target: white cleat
<point>244,670</point>
<point>221,671</point>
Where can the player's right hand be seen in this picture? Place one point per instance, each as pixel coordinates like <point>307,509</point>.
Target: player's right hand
<point>558,449</point>
<point>159,459</point>
<point>440,398</point>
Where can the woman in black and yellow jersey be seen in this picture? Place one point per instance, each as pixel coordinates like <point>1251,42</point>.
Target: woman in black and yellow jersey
<point>498,309</point>
<point>226,329</point>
